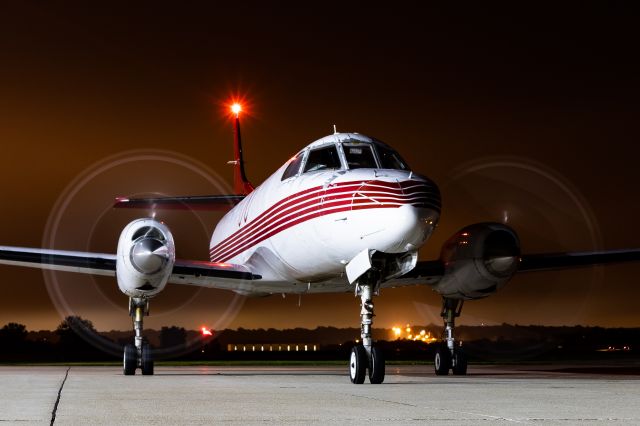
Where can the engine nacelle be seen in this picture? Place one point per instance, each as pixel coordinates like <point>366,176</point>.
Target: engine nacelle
<point>146,254</point>
<point>478,260</point>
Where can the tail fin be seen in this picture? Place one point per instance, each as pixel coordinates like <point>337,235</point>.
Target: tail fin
<point>241,184</point>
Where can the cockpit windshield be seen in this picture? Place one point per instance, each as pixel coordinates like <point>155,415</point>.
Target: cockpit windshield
<point>354,153</point>
<point>389,159</point>
<point>293,167</point>
<point>359,156</point>
<point>366,155</point>
<point>325,158</point>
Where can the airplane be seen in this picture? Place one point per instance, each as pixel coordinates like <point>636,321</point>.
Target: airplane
<point>344,214</point>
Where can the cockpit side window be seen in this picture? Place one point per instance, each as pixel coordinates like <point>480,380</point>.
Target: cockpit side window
<point>294,166</point>
<point>389,159</point>
<point>325,158</point>
<point>359,156</point>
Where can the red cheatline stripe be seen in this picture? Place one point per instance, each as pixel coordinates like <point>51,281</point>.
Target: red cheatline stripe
<point>279,214</point>
<point>263,219</point>
<point>271,231</point>
<point>279,221</point>
<point>309,207</point>
<point>307,194</point>
<point>284,219</point>
<point>379,194</point>
<point>290,200</point>
<point>293,208</point>
<point>275,230</point>
<point>286,203</point>
<point>243,233</point>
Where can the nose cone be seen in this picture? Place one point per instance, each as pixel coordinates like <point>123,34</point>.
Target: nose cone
<point>414,222</point>
<point>409,228</point>
<point>406,213</point>
<point>149,255</point>
<point>422,193</point>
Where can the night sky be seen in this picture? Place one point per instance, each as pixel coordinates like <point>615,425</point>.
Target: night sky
<point>523,114</point>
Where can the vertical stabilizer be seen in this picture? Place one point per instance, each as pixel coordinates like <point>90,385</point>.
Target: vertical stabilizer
<point>240,183</point>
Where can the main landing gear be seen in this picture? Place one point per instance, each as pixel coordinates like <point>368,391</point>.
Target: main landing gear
<point>366,356</point>
<point>450,356</point>
<point>138,355</point>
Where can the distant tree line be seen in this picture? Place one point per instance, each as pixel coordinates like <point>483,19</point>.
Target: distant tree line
<point>63,344</point>
<point>76,339</point>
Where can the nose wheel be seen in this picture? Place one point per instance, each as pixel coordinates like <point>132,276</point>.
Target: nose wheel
<point>366,357</point>
<point>138,355</point>
<point>130,360</point>
<point>358,364</point>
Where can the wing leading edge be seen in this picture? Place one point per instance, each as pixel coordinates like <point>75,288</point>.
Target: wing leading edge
<point>201,202</point>
<point>204,274</point>
<point>431,271</point>
<point>552,261</point>
<point>237,277</point>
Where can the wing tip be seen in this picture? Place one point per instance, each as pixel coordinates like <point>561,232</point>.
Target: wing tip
<point>121,202</point>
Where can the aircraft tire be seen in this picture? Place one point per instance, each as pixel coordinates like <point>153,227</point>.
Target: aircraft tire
<point>129,360</point>
<point>147,361</point>
<point>358,364</point>
<point>376,366</point>
<point>442,362</point>
<point>460,363</point>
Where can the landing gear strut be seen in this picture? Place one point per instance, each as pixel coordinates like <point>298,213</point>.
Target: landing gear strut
<point>366,356</point>
<point>138,355</point>
<point>450,356</point>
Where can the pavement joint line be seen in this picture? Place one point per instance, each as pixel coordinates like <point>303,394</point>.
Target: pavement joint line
<point>55,406</point>
<point>486,416</point>
<point>382,400</point>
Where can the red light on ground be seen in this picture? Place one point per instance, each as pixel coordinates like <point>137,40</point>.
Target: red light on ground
<point>206,332</point>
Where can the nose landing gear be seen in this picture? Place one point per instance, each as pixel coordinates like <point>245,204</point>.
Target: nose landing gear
<point>450,356</point>
<point>366,356</point>
<point>138,355</point>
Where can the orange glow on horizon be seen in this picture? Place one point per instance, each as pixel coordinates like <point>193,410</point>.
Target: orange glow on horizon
<point>406,333</point>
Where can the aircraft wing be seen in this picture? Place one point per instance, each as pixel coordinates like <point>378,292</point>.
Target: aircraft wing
<point>60,260</point>
<point>202,202</point>
<point>204,274</point>
<point>551,261</point>
<point>430,272</point>
<point>425,272</point>
<point>213,275</point>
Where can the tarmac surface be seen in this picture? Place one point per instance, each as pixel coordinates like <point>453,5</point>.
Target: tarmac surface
<point>321,395</point>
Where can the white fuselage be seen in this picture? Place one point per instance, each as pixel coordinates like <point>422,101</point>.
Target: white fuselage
<point>299,233</point>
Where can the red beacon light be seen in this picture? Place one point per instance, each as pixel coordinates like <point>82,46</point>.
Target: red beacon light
<point>206,332</point>
<point>236,108</point>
